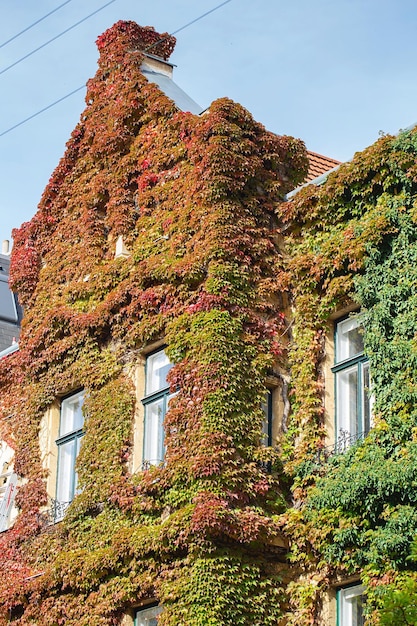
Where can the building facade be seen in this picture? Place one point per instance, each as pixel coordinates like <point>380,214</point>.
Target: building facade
<point>211,410</point>
<point>10,318</point>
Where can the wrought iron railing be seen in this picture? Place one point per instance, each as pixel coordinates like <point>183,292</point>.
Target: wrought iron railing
<point>146,465</point>
<point>342,443</point>
<point>54,513</point>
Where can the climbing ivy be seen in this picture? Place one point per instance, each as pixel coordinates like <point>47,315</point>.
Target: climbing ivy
<point>194,200</point>
<point>239,283</point>
<point>355,239</point>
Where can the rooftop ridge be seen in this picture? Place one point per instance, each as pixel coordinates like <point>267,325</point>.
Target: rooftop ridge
<point>319,164</point>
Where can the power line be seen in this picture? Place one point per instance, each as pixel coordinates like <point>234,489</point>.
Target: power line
<point>68,95</point>
<point>197,19</point>
<point>41,111</point>
<point>34,24</point>
<point>9,67</point>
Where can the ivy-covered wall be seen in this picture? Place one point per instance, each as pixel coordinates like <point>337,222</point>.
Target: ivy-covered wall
<point>194,199</point>
<point>239,284</point>
<point>355,239</point>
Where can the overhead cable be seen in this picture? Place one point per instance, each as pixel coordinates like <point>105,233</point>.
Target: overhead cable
<point>8,130</point>
<point>41,111</point>
<point>34,24</point>
<point>9,67</point>
<point>197,19</point>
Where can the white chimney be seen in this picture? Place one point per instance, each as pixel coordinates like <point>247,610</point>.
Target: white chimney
<point>5,247</point>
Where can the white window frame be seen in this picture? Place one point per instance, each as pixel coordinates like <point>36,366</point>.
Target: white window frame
<point>8,487</point>
<point>155,403</point>
<point>68,445</point>
<point>353,401</point>
<point>147,616</point>
<point>347,605</point>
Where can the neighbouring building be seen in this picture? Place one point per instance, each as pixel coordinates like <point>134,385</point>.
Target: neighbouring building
<point>10,311</point>
<point>210,417</point>
<point>10,318</point>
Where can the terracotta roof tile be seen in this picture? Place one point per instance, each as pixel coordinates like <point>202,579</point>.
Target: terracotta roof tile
<point>318,165</point>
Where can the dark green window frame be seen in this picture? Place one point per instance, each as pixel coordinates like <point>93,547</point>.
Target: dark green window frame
<point>155,407</point>
<point>349,605</point>
<point>66,478</point>
<point>351,385</point>
<point>268,419</point>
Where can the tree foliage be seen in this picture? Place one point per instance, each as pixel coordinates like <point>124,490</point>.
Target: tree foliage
<point>355,239</point>
<point>237,282</point>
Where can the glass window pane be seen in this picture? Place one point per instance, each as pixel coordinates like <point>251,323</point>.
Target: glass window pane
<point>65,478</point>
<point>351,606</point>
<point>347,401</point>
<point>148,617</point>
<point>357,612</point>
<point>266,435</point>
<point>8,311</point>
<point>157,368</point>
<point>366,399</point>
<point>72,418</point>
<point>77,451</point>
<point>349,339</point>
<point>153,448</point>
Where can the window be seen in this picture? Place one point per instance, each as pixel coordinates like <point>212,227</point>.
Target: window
<point>351,370</point>
<point>70,434</point>
<point>266,438</point>
<point>8,310</point>
<point>8,485</point>
<point>350,601</point>
<point>156,404</point>
<point>147,617</point>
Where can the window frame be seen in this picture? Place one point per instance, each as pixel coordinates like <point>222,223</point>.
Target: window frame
<point>150,608</point>
<point>267,407</point>
<point>7,496</point>
<point>161,394</point>
<point>9,312</point>
<point>344,605</point>
<point>358,363</point>
<point>74,435</point>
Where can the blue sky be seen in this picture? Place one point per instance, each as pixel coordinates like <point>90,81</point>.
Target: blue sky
<point>332,72</point>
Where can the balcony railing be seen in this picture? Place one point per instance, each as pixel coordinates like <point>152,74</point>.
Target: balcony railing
<point>54,513</point>
<point>342,443</point>
<point>146,465</point>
